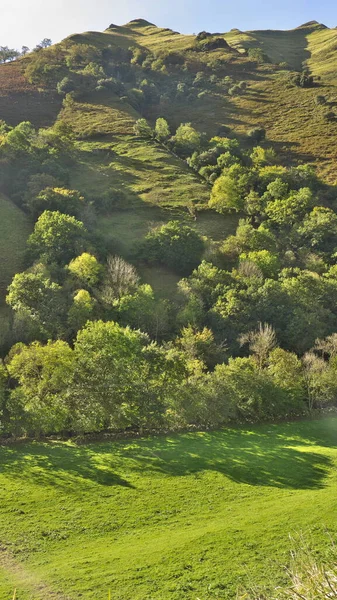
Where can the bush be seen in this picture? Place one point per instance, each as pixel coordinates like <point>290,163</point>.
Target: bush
<point>258,134</point>
<point>143,129</point>
<point>177,246</point>
<point>258,55</point>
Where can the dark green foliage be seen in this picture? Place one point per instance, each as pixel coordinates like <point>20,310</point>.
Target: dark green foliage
<point>258,55</point>
<point>303,79</point>
<point>63,200</point>
<point>178,246</point>
<point>257,135</point>
<point>208,43</point>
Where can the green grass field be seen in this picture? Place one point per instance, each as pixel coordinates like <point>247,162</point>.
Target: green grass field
<point>183,516</point>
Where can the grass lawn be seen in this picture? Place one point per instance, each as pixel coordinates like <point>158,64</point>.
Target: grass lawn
<point>182,516</point>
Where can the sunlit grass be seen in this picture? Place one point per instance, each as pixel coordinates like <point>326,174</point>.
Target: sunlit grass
<point>191,515</point>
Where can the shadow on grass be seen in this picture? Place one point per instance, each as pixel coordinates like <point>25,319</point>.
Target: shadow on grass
<point>60,465</point>
<point>281,456</point>
<point>243,456</point>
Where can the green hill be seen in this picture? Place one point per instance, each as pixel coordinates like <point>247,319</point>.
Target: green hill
<point>151,183</point>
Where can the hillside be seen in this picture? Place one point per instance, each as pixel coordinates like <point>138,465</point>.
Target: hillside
<point>168,312</point>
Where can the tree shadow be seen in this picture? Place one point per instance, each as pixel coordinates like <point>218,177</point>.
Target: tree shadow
<point>60,465</point>
<point>253,457</point>
<point>279,456</point>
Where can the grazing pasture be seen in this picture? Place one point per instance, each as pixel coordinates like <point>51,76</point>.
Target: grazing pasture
<point>189,515</point>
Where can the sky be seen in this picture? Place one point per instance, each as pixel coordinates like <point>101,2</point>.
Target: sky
<point>27,22</point>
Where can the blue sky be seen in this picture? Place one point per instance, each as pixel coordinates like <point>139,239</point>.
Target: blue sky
<point>28,21</point>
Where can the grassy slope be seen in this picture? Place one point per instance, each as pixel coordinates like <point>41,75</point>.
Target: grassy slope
<point>14,230</point>
<point>186,516</point>
<point>21,101</point>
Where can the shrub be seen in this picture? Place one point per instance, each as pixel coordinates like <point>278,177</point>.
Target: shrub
<point>178,246</point>
<point>143,129</point>
<point>258,134</point>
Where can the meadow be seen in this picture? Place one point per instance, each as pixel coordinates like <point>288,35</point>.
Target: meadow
<point>190,515</point>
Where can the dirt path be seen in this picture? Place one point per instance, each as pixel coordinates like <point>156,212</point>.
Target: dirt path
<point>26,580</point>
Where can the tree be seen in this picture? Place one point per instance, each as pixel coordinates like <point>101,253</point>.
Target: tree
<point>79,55</point>
<point>46,43</point>
<point>108,371</point>
<point>143,129</point>
<point>57,237</point>
<point>81,310</point>
<point>327,346</point>
<point>186,140</point>
<point>200,345</point>
<point>44,374</point>
<point>287,373</point>
<point>289,210</point>
<point>268,262</point>
<point>120,279</point>
<point>162,130</point>
<point>40,299</point>
<point>226,195</point>
<point>258,134</point>
<point>86,269</point>
<point>178,246</point>
<point>230,189</point>
<point>70,202</point>
<point>8,54</point>
<point>142,310</point>
<point>319,229</point>
<point>261,342</point>
<point>19,139</point>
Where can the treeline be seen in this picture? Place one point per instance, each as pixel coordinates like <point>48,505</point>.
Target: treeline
<point>9,54</point>
<point>115,377</point>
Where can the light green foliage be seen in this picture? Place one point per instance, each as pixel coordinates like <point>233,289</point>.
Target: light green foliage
<point>143,129</point>
<point>81,310</point>
<point>118,375</point>
<point>86,268</point>
<point>287,211</point>
<point>39,403</point>
<point>18,139</point>
<point>287,373</point>
<point>268,262</point>
<point>319,229</point>
<point>37,297</point>
<point>108,371</point>
<point>162,130</point>
<point>94,70</point>
<point>231,188</point>
<point>57,237</point>
<point>200,345</point>
<point>226,195</point>
<point>263,156</point>
<point>79,55</point>
<point>186,140</point>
